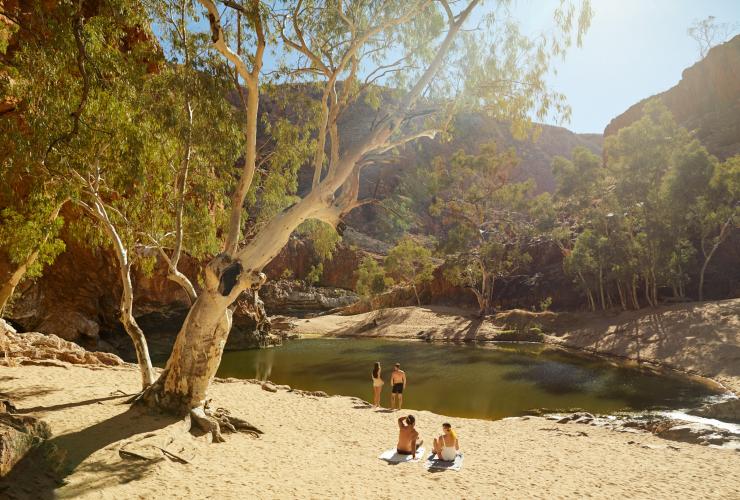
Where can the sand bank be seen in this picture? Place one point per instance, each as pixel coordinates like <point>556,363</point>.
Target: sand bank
<point>327,448</point>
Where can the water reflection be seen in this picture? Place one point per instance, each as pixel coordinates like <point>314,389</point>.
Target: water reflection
<point>467,381</point>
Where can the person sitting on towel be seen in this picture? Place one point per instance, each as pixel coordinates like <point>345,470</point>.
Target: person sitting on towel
<point>446,446</point>
<point>408,438</point>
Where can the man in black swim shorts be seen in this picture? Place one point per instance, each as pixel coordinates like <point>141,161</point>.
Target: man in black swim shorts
<point>398,383</point>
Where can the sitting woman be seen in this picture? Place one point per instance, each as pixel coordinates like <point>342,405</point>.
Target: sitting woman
<point>446,446</point>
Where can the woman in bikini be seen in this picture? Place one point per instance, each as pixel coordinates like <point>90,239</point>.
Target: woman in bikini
<point>446,446</point>
<point>377,384</point>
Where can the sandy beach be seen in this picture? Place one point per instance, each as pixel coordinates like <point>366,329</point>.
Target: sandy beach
<point>316,447</point>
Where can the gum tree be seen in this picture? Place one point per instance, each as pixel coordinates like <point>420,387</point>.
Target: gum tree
<point>486,220</point>
<point>346,49</point>
<point>411,263</point>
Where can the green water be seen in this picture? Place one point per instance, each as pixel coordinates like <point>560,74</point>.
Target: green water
<point>466,380</point>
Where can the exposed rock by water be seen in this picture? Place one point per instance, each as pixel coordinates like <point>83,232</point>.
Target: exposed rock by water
<point>295,297</point>
<point>727,410</point>
<point>667,427</point>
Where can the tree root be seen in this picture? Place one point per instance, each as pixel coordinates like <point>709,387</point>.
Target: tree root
<point>214,421</point>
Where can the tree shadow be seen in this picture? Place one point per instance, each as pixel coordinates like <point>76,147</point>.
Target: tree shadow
<point>462,330</point>
<point>74,404</point>
<point>36,476</point>
<point>18,394</point>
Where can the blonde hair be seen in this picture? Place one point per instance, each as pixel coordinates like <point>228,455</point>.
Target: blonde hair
<point>452,432</point>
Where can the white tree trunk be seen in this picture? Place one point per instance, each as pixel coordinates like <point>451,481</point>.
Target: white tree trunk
<point>199,346</point>
<point>99,212</point>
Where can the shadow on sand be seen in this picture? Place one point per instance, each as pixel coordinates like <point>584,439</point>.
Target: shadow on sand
<point>40,472</point>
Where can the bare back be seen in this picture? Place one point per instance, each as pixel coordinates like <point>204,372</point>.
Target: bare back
<point>398,377</point>
<point>407,437</point>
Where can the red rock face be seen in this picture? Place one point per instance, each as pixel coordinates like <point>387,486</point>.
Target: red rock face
<point>706,101</point>
<point>78,297</point>
<point>298,256</point>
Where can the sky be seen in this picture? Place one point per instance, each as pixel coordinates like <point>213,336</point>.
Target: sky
<point>634,49</point>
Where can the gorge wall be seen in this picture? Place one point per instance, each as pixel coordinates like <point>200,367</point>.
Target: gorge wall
<point>77,297</point>
<point>705,101</point>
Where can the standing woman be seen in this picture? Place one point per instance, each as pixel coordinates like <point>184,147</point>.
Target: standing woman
<point>377,384</point>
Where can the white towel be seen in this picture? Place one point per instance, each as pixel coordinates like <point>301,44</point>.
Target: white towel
<point>392,456</point>
<point>433,463</point>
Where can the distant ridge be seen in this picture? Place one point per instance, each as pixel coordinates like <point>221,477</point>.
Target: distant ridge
<point>705,101</point>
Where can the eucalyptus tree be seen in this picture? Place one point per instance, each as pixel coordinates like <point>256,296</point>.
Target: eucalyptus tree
<point>45,86</point>
<point>422,48</point>
<point>372,279</point>
<point>637,223</point>
<point>486,220</point>
<point>580,183</point>
<point>716,212</point>
<point>411,263</point>
<point>709,32</point>
<point>151,186</point>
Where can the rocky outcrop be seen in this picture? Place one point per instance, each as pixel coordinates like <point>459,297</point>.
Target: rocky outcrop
<point>700,338</point>
<point>705,101</point>
<point>297,257</point>
<point>727,410</point>
<point>39,348</point>
<point>251,328</point>
<point>543,281</point>
<point>666,427</point>
<point>19,434</point>
<point>295,297</point>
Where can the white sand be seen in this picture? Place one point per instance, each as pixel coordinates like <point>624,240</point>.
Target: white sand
<point>327,448</point>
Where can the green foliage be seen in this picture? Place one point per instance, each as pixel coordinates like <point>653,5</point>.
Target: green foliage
<point>28,227</point>
<point>487,220</point>
<point>371,278</point>
<point>410,263</point>
<point>67,85</point>
<point>323,236</point>
<point>630,226</point>
<point>545,304</point>
<point>314,274</point>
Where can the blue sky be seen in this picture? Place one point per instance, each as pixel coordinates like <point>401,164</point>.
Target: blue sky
<point>634,49</point>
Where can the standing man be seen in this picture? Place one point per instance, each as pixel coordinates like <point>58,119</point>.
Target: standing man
<point>398,383</point>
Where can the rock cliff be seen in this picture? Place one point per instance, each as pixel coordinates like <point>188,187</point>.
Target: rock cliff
<point>705,101</point>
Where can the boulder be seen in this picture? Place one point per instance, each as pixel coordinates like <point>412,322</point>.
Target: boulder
<point>70,325</point>
<point>295,297</point>
<point>698,433</point>
<point>34,347</point>
<point>251,328</point>
<point>18,435</point>
<point>727,411</point>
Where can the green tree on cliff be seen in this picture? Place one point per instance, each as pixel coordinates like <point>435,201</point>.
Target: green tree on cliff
<point>486,219</point>
<point>411,264</point>
<point>371,278</point>
<point>630,227</point>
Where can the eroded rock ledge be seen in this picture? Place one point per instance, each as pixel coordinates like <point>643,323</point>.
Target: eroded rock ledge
<point>38,348</point>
